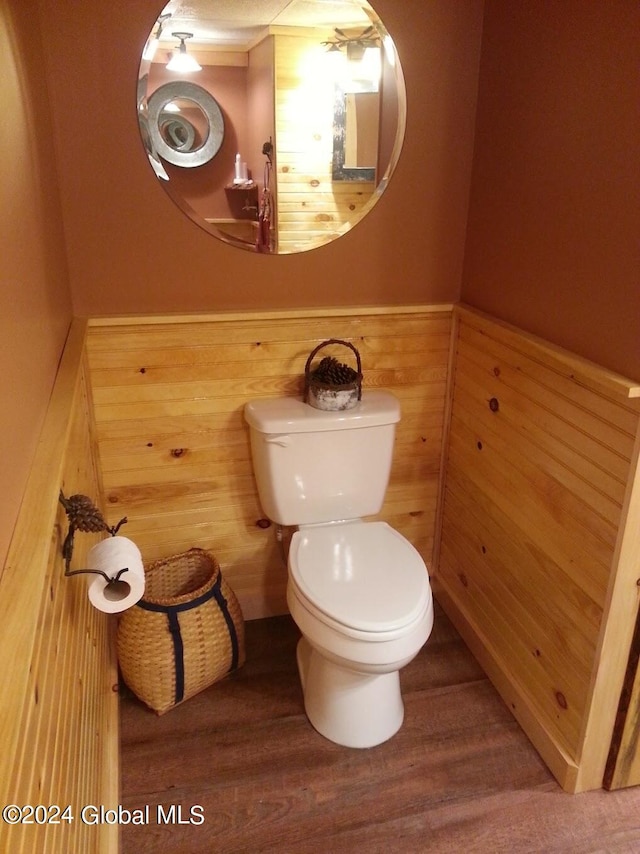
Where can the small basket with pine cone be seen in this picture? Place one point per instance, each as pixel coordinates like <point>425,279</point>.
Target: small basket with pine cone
<point>333,385</point>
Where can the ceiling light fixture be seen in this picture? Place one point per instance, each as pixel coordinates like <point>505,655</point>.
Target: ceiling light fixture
<point>181,61</point>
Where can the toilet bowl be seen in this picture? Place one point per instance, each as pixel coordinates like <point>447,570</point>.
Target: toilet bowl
<point>357,589</point>
<point>360,595</point>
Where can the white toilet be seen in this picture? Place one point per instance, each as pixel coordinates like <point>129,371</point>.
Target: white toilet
<point>358,591</point>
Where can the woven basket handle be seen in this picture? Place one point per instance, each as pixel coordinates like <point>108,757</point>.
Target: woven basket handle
<point>325,344</point>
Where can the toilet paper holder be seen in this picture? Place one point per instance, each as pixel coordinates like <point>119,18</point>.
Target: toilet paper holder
<point>84,516</point>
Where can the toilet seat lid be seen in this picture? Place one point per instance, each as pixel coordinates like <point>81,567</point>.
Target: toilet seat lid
<point>364,575</point>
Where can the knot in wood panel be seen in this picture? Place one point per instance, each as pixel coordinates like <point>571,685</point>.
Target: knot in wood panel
<point>494,404</point>
<point>178,452</point>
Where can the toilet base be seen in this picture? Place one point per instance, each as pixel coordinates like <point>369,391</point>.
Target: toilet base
<point>349,708</point>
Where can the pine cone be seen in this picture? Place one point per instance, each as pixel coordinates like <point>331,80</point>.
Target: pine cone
<point>84,515</point>
<point>332,372</point>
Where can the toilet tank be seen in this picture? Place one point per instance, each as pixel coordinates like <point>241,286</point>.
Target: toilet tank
<point>313,466</point>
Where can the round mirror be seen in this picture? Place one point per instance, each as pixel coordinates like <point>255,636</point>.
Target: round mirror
<point>274,126</point>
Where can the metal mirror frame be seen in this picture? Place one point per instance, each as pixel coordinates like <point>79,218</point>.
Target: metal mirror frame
<point>209,106</point>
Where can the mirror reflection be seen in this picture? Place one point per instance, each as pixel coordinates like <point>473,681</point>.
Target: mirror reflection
<point>361,129</point>
<point>183,125</point>
<point>293,112</point>
<point>180,134</point>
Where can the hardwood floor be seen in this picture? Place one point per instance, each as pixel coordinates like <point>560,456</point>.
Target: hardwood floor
<point>460,776</point>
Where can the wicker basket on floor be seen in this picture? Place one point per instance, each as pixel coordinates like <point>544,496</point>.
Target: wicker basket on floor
<point>184,635</point>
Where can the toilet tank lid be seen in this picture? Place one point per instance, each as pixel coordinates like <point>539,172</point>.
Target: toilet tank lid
<point>292,415</point>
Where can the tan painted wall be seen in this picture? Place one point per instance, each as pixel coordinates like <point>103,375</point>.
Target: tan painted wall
<point>35,305</point>
<point>131,249</point>
<point>552,243</point>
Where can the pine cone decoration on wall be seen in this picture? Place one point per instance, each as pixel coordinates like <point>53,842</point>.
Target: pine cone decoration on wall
<point>83,515</point>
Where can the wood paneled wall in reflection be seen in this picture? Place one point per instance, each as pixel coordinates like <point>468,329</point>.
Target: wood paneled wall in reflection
<point>312,208</point>
<point>174,448</point>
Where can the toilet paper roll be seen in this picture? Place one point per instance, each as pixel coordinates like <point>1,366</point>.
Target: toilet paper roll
<point>110,556</point>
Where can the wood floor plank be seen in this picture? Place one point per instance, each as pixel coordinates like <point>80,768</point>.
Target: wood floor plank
<point>459,776</point>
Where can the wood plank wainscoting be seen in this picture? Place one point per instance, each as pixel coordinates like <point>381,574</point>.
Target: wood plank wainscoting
<point>59,710</point>
<point>537,561</point>
<point>174,448</point>
<point>540,551</point>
